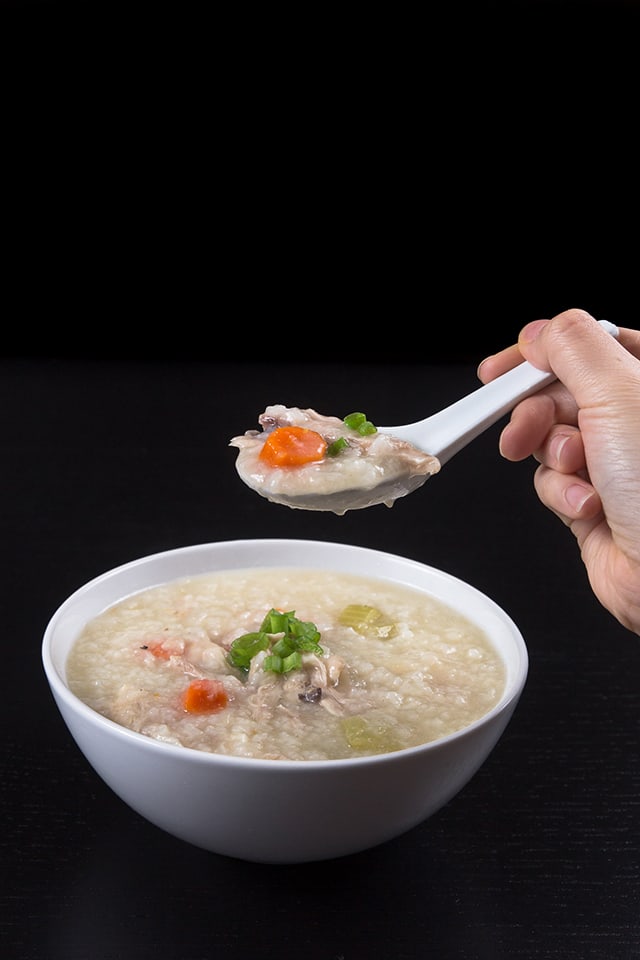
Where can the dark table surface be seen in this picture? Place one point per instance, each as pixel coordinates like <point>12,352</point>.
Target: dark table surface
<point>538,857</point>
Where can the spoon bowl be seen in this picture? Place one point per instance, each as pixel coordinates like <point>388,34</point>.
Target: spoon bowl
<point>353,498</point>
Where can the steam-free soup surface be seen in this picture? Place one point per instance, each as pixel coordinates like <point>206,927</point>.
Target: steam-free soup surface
<point>391,667</point>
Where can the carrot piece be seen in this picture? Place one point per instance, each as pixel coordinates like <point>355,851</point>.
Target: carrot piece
<point>293,447</point>
<point>205,696</point>
<point>163,650</point>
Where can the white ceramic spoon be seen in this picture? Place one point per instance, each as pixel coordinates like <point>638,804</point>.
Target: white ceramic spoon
<point>441,435</point>
<point>445,433</point>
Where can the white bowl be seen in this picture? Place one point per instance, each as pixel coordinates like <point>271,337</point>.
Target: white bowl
<point>280,811</point>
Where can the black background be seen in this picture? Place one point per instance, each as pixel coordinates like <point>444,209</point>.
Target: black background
<point>258,184</point>
<point>106,461</point>
<point>204,213</point>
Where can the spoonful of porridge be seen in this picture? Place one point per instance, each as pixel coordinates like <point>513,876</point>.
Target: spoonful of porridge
<point>308,461</point>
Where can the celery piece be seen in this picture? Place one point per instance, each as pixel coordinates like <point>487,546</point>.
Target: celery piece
<point>367,620</point>
<point>359,616</point>
<point>368,735</point>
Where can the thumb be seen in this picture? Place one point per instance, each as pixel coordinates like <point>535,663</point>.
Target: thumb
<point>582,354</point>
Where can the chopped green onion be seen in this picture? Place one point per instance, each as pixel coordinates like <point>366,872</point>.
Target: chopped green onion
<point>282,647</point>
<point>284,636</point>
<point>244,649</point>
<point>275,621</point>
<point>358,422</point>
<point>353,420</point>
<point>334,448</point>
<point>273,663</point>
<point>292,662</point>
<point>277,664</point>
<point>366,428</point>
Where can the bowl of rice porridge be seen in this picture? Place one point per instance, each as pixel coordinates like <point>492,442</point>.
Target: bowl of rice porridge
<point>283,701</point>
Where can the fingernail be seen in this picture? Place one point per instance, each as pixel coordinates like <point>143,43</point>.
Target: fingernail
<point>576,496</point>
<point>501,441</point>
<point>480,365</point>
<point>532,330</point>
<point>557,445</point>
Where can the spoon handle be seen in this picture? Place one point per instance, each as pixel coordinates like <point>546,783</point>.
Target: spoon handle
<point>445,433</point>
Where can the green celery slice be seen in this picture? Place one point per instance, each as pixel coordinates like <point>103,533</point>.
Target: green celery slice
<point>367,620</point>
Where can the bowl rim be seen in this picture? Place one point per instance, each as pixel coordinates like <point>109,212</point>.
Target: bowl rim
<point>63,695</point>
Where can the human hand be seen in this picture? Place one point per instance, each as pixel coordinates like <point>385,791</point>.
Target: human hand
<point>584,430</point>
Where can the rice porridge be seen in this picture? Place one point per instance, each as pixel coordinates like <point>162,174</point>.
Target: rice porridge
<point>283,663</point>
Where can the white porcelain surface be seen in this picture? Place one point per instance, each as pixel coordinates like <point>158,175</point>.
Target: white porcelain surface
<point>447,432</point>
<point>279,811</point>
